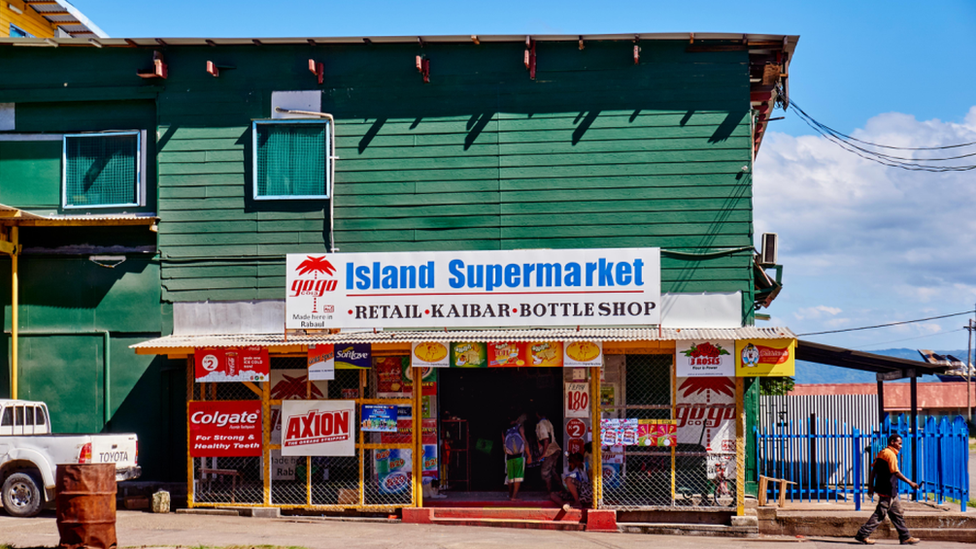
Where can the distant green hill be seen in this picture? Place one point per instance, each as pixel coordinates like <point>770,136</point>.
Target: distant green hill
<point>809,372</point>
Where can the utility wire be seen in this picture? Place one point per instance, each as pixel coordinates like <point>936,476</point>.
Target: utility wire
<point>885,325</point>
<point>909,338</point>
<point>861,148</point>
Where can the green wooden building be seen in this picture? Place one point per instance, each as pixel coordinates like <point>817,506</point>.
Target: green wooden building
<point>141,185</point>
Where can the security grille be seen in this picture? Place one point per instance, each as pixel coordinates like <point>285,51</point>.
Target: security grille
<point>299,481</point>
<point>659,476</point>
<point>291,159</point>
<point>230,480</point>
<point>102,170</point>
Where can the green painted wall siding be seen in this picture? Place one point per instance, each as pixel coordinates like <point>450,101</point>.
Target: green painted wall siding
<point>66,304</point>
<point>594,152</point>
<point>30,171</point>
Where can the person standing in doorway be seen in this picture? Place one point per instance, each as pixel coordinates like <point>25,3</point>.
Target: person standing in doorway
<point>548,450</point>
<point>884,481</point>
<point>513,441</point>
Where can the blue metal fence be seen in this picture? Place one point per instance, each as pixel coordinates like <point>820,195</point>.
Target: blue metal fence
<point>828,461</point>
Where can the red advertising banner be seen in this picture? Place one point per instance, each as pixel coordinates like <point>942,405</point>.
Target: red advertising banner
<point>404,432</point>
<point>228,428</point>
<point>511,354</point>
<point>231,364</point>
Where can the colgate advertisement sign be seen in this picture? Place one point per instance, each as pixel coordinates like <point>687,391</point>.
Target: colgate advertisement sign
<point>228,428</point>
<point>765,358</point>
<point>318,428</point>
<point>231,364</point>
<point>705,358</point>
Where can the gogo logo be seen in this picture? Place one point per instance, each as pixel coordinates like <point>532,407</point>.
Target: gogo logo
<point>321,272</point>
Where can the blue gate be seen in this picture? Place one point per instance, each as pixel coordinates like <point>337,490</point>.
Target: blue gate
<point>827,461</point>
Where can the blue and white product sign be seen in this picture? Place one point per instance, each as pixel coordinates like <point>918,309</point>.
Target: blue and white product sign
<point>379,418</point>
<point>393,470</point>
<point>582,287</point>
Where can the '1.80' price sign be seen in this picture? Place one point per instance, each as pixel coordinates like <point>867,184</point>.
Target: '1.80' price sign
<point>577,400</point>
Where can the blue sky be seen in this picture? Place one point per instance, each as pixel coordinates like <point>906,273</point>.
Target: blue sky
<point>861,244</point>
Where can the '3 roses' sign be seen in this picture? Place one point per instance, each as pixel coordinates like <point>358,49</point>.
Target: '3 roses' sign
<point>705,358</point>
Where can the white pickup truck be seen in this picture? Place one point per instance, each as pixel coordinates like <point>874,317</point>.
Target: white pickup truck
<point>30,454</point>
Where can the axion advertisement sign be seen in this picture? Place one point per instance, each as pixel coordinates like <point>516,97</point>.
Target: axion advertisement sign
<point>228,428</point>
<point>765,357</point>
<point>608,286</point>
<point>318,428</point>
<point>704,358</point>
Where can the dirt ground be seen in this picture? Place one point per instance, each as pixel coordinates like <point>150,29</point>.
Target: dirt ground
<point>140,529</point>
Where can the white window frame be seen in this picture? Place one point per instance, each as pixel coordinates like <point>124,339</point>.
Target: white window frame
<point>140,182</point>
<point>10,32</point>
<point>329,157</point>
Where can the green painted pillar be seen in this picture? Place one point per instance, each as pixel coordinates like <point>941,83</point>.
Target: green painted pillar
<point>751,406</point>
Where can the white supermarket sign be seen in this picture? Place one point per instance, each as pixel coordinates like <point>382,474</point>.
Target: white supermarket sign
<point>587,287</point>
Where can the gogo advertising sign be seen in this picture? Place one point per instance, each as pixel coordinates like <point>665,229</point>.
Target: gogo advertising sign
<point>705,358</point>
<point>228,428</point>
<point>765,357</point>
<point>318,428</point>
<point>609,286</point>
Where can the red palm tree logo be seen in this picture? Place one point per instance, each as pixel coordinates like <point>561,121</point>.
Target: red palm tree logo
<point>316,266</point>
<point>698,385</point>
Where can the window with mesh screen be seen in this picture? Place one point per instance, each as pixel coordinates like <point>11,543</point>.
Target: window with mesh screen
<point>291,159</point>
<point>102,170</point>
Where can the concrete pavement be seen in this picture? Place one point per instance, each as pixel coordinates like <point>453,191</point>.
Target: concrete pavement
<point>140,529</point>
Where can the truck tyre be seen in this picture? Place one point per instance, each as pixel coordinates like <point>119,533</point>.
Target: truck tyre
<point>22,495</point>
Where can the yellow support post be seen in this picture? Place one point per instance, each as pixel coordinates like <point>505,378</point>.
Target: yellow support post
<point>362,440</point>
<point>14,309</point>
<point>674,412</point>
<point>189,458</point>
<point>418,448</point>
<point>740,447</point>
<point>266,435</point>
<point>596,464</point>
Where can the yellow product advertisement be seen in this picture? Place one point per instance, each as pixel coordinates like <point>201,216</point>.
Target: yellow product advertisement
<point>765,357</point>
<point>546,353</point>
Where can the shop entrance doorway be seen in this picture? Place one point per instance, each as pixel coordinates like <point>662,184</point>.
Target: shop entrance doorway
<point>487,399</point>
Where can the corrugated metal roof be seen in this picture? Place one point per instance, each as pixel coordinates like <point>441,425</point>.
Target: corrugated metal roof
<point>15,216</point>
<point>404,336</point>
<point>66,16</point>
<point>788,42</point>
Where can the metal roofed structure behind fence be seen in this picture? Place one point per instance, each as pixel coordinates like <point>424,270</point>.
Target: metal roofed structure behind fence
<point>860,360</point>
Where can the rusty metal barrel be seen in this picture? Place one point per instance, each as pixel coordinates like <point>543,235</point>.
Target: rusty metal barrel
<point>86,506</point>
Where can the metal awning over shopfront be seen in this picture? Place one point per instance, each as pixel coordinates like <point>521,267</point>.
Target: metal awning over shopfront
<point>284,343</point>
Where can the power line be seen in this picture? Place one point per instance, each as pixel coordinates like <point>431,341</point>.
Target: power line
<point>860,148</point>
<point>885,325</point>
<point>909,338</point>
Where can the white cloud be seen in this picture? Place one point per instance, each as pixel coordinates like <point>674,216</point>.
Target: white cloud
<point>879,242</point>
<point>816,312</point>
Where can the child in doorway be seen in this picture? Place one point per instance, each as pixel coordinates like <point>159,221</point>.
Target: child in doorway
<point>576,486</point>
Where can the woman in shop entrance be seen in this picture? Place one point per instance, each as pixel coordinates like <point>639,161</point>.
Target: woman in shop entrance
<point>548,450</point>
<point>513,440</point>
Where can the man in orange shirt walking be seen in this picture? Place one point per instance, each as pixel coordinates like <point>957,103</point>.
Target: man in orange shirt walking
<point>884,481</point>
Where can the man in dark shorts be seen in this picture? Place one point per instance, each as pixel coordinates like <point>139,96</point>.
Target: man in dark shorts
<point>884,481</point>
